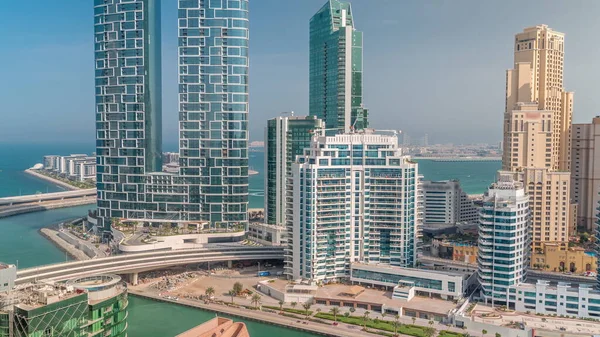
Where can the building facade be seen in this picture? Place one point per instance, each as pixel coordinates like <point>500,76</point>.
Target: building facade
<point>561,299</point>
<point>213,108</point>
<point>585,172</point>
<point>285,138</point>
<point>544,50</point>
<point>504,239</point>
<point>212,183</point>
<point>90,306</point>
<point>352,198</point>
<point>446,202</point>
<point>574,260</point>
<point>336,67</point>
<point>537,133</point>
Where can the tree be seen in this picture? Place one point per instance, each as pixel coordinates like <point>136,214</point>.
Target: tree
<point>429,332</point>
<point>256,300</point>
<point>498,334</point>
<point>383,315</point>
<point>280,305</point>
<point>396,325</point>
<point>294,304</point>
<point>352,310</point>
<point>238,288</point>
<point>306,307</point>
<point>483,332</point>
<point>414,319</point>
<point>209,292</point>
<point>365,319</point>
<point>431,324</point>
<point>232,294</point>
<point>347,314</point>
<point>334,311</point>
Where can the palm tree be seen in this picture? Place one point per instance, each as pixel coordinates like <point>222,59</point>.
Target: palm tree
<point>255,300</point>
<point>365,319</point>
<point>334,311</point>
<point>431,324</point>
<point>209,292</point>
<point>352,310</point>
<point>232,294</point>
<point>414,319</point>
<point>383,315</point>
<point>280,305</point>
<point>294,304</point>
<point>483,332</point>
<point>306,307</point>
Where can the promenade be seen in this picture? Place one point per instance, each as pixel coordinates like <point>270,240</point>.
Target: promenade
<point>341,330</point>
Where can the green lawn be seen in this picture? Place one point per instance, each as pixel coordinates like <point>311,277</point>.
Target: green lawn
<point>293,311</point>
<point>445,333</point>
<point>407,329</point>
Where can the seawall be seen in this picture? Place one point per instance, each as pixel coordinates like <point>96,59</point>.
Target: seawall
<point>73,251</point>
<point>51,180</point>
<point>259,316</point>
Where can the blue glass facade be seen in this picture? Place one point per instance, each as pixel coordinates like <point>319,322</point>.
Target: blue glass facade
<point>213,108</point>
<point>336,67</point>
<point>212,185</point>
<point>128,103</point>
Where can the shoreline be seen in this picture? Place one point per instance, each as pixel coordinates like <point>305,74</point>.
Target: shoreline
<point>256,316</point>
<point>62,184</point>
<point>52,236</point>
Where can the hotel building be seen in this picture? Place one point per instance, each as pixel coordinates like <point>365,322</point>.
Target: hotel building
<point>351,198</point>
<point>446,203</point>
<point>212,184</point>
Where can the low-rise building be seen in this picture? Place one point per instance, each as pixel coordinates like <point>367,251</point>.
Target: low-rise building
<point>562,299</point>
<point>432,283</point>
<point>88,306</point>
<point>446,202</point>
<point>574,260</point>
<point>456,251</point>
<point>269,235</point>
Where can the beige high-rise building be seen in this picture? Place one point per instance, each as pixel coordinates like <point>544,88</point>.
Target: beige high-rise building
<point>543,49</point>
<point>537,133</point>
<point>585,172</point>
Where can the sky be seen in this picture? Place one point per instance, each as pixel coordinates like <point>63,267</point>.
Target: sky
<point>435,67</point>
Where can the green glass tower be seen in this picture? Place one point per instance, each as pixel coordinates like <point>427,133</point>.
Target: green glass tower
<point>336,68</point>
<point>285,138</point>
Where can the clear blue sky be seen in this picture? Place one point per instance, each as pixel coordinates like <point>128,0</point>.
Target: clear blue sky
<point>435,67</point>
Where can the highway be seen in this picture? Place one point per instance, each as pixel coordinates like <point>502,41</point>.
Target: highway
<point>44,197</point>
<point>135,263</point>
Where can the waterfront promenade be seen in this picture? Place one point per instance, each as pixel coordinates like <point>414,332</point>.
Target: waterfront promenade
<point>341,330</point>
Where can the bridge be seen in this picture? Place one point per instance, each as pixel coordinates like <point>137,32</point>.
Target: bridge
<point>40,202</point>
<point>132,264</point>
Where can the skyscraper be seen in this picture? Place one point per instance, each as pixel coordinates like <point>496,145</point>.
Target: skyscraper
<point>336,68</point>
<point>285,138</point>
<point>585,172</point>
<point>213,108</point>
<point>504,238</point>
<point>537,133</point>
<point>543,49</point>
<point>212,185</point>
<point>353,198</point>
<point>128,104</point>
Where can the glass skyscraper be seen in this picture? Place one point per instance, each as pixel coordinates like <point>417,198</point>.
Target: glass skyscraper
<point>213,109</point>
<point>212,185</point>
<point>128,104</point>
<point>336,67</point>
<point>285,138</point>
